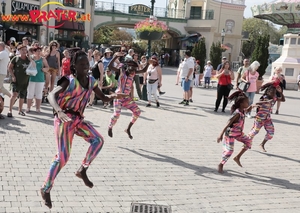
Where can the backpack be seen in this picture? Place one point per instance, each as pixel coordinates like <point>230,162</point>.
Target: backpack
<point>95,70</point>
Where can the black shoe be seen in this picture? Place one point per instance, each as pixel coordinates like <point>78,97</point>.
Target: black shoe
<point>148,105</point>
<point>47,198</point>
<point>191,100</point>
<point>186,103</point>
<point>81,173</point>
<point>161,93</point>
<point>215,110</point>
<point>157,104</point>
<point>182,102</point>
<point>223,111</point>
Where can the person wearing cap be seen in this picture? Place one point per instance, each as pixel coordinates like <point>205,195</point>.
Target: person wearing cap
<point>107,57</point>
<point>17,69</point>
<point>4,60</point>
<point>186,75</point>
<point>153,78</point>
<point>126,73</point>
<point>220,65</point>
<point>208,68</point>
<point>36,83</point>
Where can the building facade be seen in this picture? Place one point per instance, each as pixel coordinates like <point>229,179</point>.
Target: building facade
<point>70,33</point>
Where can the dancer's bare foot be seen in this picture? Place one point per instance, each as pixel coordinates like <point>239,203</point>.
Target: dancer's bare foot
<point>237,160</point>
<point>262,146</point>
<point>128,133</point>
<point>220,168</point>
<point>110,133</point>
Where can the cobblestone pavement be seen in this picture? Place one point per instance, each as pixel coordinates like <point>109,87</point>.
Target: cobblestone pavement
<point>172,160</point>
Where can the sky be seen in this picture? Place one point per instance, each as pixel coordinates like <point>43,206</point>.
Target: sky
<point>162,3</point>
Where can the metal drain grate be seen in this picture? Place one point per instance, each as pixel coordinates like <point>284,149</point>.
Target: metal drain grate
<point>149,208</point>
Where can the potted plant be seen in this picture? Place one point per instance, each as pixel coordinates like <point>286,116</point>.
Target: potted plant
<point>150,29</point>
<point>78,35</point>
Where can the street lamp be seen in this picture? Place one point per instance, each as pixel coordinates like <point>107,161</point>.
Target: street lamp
<point>151,19</point>
<point>113,8</point>
<point>223,35</point>
<point>3,4</point>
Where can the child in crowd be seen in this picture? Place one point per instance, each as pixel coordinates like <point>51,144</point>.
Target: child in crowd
<point>234,129</point>
<point>264,109</point>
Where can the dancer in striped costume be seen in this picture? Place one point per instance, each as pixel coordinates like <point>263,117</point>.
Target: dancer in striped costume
<point>128,71</point>
<point>234,129</point>
<point>264,109</point>
<point>69,100</point>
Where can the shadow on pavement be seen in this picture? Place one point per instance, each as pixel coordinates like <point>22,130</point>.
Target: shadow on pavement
<point>277,156</point>
<point>266,180</point>
<point>199,170</point>
<point>292,97</point>
<point>11,124</point>
<point>285,122</point>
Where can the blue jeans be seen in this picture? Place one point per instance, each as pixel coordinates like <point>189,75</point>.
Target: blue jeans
<point>207,80</point>
<point>250,95</point>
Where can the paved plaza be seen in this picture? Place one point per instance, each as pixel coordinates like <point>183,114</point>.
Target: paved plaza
<point>172,160</point>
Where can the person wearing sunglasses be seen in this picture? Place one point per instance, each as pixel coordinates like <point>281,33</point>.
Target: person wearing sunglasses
<point>53,59</point>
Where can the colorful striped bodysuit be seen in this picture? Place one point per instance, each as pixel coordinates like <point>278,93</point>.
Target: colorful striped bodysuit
<point>263,119</point>
<point>124,86</point>
<point>235,133</point>
<point>73,102</point>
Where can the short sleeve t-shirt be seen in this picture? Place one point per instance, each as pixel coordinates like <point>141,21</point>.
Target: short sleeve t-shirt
<point>19,68</point>
<point>187,64</point>
<point>111,79</point>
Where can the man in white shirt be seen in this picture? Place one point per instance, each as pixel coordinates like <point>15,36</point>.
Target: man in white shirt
<point>129,55</point>
<point>4,60</point>
<point>25,43</point>
<point>186,76</point>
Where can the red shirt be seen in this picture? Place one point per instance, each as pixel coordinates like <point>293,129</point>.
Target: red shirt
<point>66,67</point>
<point>224,79</point>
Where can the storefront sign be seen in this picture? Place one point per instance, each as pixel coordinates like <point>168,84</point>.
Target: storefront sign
<point>20,7</point>
<point>140,9</point>
<point>23,12</point>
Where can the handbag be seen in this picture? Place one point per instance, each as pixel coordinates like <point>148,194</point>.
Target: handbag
<point>229,85</point>
<point>244,86</point>
<point>152,81</point>
<point>31,69</point>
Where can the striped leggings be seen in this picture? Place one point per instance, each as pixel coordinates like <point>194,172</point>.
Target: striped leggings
<point>128,103</point>
<point>228,145</point>
<point>64,133</point>
<point>258,124</point>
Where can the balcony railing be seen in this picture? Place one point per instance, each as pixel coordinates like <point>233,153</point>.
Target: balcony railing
<point>240,2</point>
<point>124,8</point>
<point>73,3</point>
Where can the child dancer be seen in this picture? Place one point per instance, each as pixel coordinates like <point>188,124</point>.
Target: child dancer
<point>69,100</point>
<point>234,129</point>
<point>264,109</point>
<point>129,70</point>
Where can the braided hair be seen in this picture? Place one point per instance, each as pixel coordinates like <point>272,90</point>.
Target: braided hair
<point>267,87</point>
<point>238,97</point>
<point>75,53</point>
<point>129,64</point>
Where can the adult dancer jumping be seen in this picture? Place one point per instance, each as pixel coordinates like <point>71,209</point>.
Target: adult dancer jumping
<point>129,70</point>
<point>69,100</point>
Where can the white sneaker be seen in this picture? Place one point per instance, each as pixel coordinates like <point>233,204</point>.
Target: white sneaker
<point>249,116</point>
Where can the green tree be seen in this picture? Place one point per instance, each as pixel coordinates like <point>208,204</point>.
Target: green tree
<point>256,27</point>
<point>261,54</point>
<point>215,54</point>
<point>103,35</point>
<point>199,52</point>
